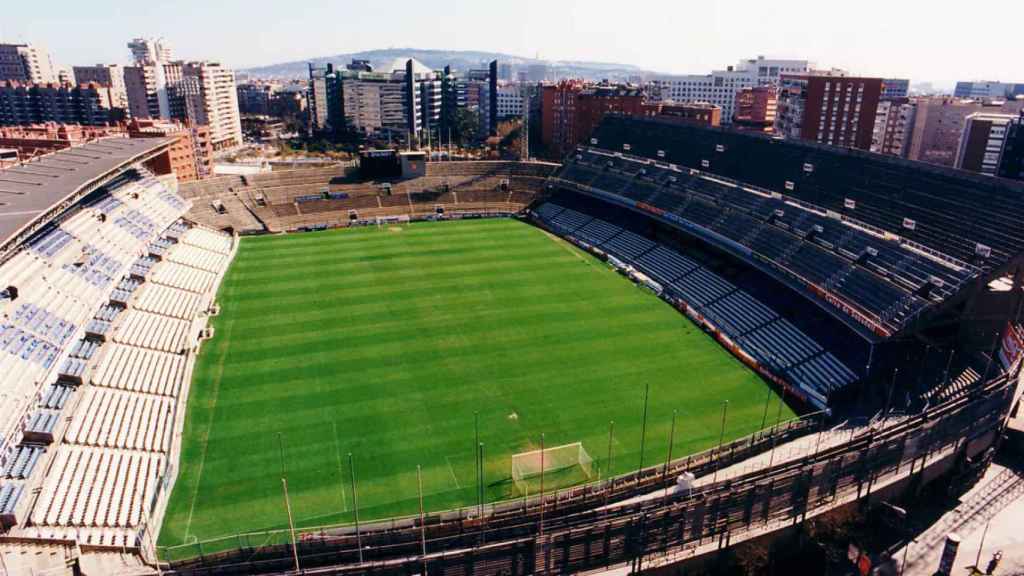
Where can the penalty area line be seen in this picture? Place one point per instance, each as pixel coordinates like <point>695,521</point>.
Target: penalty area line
<point>451,469</point>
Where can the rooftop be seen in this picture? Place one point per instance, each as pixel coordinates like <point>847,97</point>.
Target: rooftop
<point>30,191</point>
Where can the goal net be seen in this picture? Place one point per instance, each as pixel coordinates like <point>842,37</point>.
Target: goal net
<point>561,466</point>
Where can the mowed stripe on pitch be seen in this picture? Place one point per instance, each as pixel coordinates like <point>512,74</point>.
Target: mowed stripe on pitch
<point>396,339</point>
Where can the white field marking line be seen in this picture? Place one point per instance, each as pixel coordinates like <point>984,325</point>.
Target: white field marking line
<point>565,244</point>
<point>209,426</point>
<point>341,480</point>
<point>451,469</point>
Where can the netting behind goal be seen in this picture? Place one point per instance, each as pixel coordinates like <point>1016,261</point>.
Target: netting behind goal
<point>562,466</point>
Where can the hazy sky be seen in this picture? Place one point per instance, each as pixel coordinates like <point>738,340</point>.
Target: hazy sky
<point>919,39</point>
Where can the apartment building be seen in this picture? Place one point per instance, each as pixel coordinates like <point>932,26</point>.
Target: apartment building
<point>829,108</point>
<point>510,100</point>
<point>982,142</point>
<point>87,104</point>
<point>32,140</point>
<point>149,50</point>
<point>26,63</point>
<point>894,123</point>
<point>190,155</point>
<point>697,113</point>
<point>768,71</point>
<point>108,75</point>
<point>988,90</point>
<point>721,87</point>
<point>939,124</point>
<point>192,92</point>
<point>571,109</point>
<point>756,108</point>
<point>392,101</point>
<point>212,100</point>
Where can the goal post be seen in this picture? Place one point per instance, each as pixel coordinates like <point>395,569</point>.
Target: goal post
<point>563,465</point>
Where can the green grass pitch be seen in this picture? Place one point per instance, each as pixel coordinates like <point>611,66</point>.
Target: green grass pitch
<point>384,343</point>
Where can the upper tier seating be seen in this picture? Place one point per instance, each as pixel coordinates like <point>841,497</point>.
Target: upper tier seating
<point>952,212</point>
<point>887,282</point>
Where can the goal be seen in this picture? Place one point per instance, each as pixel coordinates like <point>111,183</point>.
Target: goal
<point>561,466</point>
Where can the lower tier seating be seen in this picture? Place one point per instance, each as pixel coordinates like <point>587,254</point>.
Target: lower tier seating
<point>758,329</point>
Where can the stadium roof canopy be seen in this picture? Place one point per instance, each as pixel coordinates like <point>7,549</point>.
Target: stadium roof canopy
<point>37,190</point>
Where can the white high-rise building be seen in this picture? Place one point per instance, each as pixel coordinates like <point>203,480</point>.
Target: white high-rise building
<point>768,70</point>
<point>988,90</point>
<point>388,101</point>
<point>202,93</point>
<point>720,87</point>
<point>149,50</point>
<point>510,100</point>
<point>211,99</point>
<point>153,53</point>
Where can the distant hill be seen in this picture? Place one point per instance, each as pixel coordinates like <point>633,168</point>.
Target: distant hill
<point>460,60</point>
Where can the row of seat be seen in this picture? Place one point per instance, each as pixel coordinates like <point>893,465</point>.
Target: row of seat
<point>888,257</point>
<point>64,278</point>
<point>22,462</point>
<point>952,212</point>
<point>183,277</point>
<point>197,257</point>
<point>537,169</point>
<point>116,419</point>
<point>760,331</point>
<point>817,249</point>
<point>90,486</point>
<point>168,301</point>
<point>140,370</point>
<point>208,240</point>
<point>153,331</point>
<point>115,447</point>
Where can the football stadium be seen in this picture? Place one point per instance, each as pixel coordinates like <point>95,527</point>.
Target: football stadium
<point>677,339</point>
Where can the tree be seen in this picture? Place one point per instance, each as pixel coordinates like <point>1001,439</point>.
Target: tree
<point>511,133</point>
<point>466,126</point>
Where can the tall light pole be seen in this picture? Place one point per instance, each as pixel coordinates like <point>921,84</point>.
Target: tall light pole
<point>721,438</point>
<point>423,524</point>
<point>355,506</point>
<point>643,431</point>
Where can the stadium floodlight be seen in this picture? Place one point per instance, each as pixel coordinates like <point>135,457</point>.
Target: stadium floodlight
<point>569,463</point>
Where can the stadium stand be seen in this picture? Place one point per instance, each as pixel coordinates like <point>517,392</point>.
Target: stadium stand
<point>118,441</point>
<point>951,214</point>
<point>326,197</point>
<point>875,278</point>
<point>104,304</point>
<point>758,331</point>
